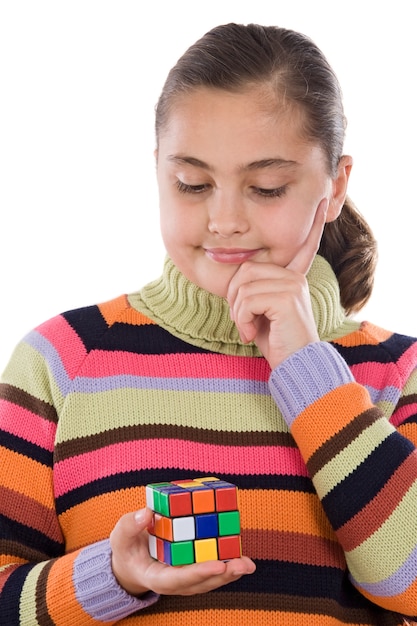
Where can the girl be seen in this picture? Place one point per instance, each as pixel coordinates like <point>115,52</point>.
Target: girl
<point>240,361</point>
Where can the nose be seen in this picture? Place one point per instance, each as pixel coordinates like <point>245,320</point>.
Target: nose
<point>227,214</point>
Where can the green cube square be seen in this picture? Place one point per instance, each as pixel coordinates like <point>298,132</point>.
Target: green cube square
<point>229,523</point>
<point>182,553</point>
<point>155,495</point>
<point>163,503</point>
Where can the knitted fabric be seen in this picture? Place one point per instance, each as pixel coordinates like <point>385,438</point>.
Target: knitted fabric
<point>155,386</point>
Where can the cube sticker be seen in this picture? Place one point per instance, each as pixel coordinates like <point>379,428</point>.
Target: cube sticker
<point>194,520</point>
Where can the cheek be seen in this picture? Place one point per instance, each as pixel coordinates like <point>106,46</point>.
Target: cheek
<point>287,229</point>
<point>285,238</point>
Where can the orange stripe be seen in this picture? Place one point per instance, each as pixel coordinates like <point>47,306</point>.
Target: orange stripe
<point>94,519</point>
<point>296,512</point>
<point>368,335</point>
<point>11,560</point>
<point>404,603</point>
<point>302,513</point>
<point>409,431</point>
<point>325,418</point>
<point>64,608</point>
<point>235,618</point>
<point>15,477</point>
<point>119,310</point>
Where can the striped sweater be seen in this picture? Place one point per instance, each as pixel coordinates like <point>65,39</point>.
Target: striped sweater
<point>155,386</point>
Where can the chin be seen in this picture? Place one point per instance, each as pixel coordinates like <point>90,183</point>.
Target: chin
<point>215,286</point>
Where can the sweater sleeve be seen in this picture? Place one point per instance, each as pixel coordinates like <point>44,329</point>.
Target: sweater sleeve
<point>39,581</point>
<point>363,469</point>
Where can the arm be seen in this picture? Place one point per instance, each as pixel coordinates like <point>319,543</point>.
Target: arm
<point>37,577</point>
<point>364,470</point>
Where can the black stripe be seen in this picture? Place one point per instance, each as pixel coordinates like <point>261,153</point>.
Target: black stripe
<point>29,537</point>
<point>89,325</point>
<point>28,449</point>
<point>128,480</point>
<point>282,586</point>
<point>10,596</point>
<point>150,339</point>
<point>356,490</point>
<point>94,332</point>
<point>388,351</point>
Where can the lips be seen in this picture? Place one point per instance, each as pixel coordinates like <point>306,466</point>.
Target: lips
<point>230,255</point>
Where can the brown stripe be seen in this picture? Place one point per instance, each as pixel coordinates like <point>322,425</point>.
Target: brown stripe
<point>30,513</point>
<point>298,605</point>
<point>67,449</point>
<point>28,402</point>
<point>292,548</point>
<point>343,438</point>
<point>20,551</point>
<point>376,512</point>
<point>405,400</point>
<point>42,613</point>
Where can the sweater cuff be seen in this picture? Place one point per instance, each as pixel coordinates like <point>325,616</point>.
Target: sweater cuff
<point>97,589</point>
<point>306,376</point>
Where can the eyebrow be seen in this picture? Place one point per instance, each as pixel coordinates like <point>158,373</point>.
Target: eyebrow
<point>255,165</point>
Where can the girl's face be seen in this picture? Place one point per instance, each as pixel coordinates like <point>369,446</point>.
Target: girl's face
<point>236,182</point>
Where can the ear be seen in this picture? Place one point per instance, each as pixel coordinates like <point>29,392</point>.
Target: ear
<point>339,188</point>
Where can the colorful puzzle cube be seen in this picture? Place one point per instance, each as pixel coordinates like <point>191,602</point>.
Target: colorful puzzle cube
<point>194,520</point>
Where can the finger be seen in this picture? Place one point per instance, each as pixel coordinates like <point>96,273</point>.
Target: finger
<point>305,256</point>
<point>253,307</point>
<point>203,577</point>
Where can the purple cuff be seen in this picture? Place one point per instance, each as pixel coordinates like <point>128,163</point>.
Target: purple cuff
<point>97,589</point>
<point>306,376</point>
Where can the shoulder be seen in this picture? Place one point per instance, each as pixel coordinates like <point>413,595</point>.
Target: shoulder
<point>91,322</point>
<point>371,345</point>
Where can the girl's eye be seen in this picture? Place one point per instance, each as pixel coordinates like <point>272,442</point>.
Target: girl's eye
<point>277,192</point>
<point>184,188</point>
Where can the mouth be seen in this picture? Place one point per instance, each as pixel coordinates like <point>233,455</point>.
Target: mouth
<point>230,255</point>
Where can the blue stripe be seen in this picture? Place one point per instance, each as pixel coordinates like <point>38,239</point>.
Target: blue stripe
<point>395,584</point>
<point>216,385</point>
<point>49,353</point>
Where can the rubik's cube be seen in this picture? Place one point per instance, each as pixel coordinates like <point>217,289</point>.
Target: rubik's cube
<point>194,520</point>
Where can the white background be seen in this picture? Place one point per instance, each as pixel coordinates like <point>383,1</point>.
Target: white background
<point>78,85</point>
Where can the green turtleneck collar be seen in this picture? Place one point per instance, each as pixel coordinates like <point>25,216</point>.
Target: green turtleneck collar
<point>203,319</point>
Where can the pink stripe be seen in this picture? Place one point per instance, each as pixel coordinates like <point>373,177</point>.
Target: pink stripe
<point>174,365</point>
<point>172,453</point>
<point>376,375</point>
<point>66,341</point>
<point>27,425</point>
<point>379,375</point>
<point>403,414</point>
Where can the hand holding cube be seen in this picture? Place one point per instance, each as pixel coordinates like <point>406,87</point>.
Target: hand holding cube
<point>194,520</point>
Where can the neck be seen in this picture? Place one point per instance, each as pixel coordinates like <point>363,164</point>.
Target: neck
<point>203,319</point>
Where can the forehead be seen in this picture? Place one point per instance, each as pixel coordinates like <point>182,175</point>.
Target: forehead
<point>248,125</point>
<point>203,103</point>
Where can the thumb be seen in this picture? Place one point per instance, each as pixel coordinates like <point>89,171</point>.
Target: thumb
<point>142,518</point>
<point>131,524</point>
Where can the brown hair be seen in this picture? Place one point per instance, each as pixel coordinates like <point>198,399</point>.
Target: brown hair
<point>233,57</point>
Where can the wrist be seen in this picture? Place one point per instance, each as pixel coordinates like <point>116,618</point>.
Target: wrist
<point>125,582</point>
<point>97,589</point>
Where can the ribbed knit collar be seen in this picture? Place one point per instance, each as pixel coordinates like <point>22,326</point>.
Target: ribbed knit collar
<point>203,319</point>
